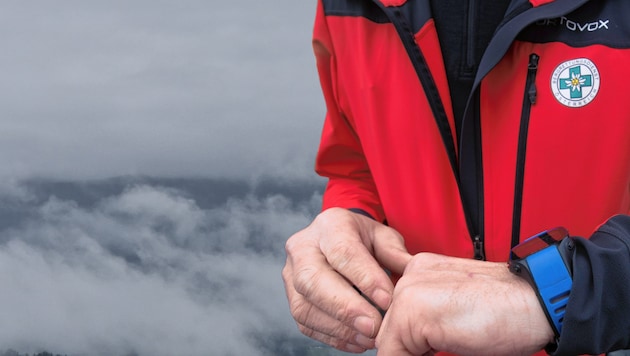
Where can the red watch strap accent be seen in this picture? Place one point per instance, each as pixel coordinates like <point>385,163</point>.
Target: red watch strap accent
<point>538,242</point>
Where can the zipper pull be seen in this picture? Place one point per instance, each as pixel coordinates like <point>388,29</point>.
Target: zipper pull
<point>532,93</point>
<point>478,248</point>
<point>532,68</point>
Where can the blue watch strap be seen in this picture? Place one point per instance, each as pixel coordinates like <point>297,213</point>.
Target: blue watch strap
<point>553,282</point>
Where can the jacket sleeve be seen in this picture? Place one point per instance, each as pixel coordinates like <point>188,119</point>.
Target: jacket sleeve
<point>597,318</point>
<point>340,157</point>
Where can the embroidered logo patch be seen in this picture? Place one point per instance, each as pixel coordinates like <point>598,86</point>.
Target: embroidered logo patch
<point>575,83</point>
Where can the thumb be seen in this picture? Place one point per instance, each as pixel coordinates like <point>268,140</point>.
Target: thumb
<point>390,251</point>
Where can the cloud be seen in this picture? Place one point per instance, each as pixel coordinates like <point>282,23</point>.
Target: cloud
<point>167,89</point>
<point>149,272</point>
<point>161,88</point>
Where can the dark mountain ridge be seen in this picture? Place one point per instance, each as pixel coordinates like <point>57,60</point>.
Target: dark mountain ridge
<point>208,193</point>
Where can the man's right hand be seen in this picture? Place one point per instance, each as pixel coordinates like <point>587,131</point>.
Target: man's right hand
<point>339,250</point>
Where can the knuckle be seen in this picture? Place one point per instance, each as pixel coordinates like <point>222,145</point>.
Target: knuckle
<point>366,282</point>
<point>344,333</point>
<point>292,244</point>
<point>340,254</point>
<point>305,280</point>
<point>286,274</point>
<point>405,294</point>
<point>338,337</point>
<point>322,337</point>
<point>343,313</point>
<point>422,261</point>
<point>339,344</point>
<point>308,332</point>
<point>300,310</point>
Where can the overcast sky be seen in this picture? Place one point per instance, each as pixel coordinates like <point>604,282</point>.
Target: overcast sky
<point>94,89</point>
<point>178,88</point>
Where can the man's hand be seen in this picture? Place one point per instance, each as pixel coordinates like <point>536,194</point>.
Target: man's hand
<point>462,306</point>
<point>339,250</point>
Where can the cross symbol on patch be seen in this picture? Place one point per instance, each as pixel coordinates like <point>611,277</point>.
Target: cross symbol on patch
<point>576,81</point>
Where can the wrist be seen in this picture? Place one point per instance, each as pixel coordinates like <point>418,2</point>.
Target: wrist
<point>536,325</point>
<point>540,263</point>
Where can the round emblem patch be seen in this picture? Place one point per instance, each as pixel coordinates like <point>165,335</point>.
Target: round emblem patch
<point>575,83</point>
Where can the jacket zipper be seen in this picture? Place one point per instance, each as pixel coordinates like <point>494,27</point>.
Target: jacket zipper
<point>460,166</point>
<point>529,99</point>
<point>470,37</point>
<point>471,170</point>
<point>406,35</point>
<point>478,248</point>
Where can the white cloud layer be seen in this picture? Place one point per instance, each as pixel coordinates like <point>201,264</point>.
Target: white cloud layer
<point>148,272</point>
<point>158,88</point>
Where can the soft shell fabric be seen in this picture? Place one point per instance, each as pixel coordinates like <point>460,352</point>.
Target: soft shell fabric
<point>544,140</point>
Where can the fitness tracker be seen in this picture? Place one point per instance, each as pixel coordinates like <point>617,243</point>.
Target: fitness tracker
<point>542,261</point>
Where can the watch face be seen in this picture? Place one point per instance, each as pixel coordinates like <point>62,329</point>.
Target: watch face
<point>538,242</point>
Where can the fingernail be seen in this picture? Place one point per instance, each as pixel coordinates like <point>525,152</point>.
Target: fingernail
<point>364,325</point>
<point>382,298</point>
<point>364,341</point>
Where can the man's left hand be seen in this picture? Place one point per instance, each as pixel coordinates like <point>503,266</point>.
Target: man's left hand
<point>462,306</point>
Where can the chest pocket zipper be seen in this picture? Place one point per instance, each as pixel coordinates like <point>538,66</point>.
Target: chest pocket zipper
<point>529,99</point>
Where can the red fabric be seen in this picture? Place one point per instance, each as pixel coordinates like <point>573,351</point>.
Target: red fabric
<point>381,148</point>
<point>540,2</point>
<point>382,152</point>
<point>393,2</point>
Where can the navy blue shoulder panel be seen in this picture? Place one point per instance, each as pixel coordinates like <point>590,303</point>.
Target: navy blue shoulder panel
<point>415,12</point>
<point>597,22</point>
<point>355,8</point>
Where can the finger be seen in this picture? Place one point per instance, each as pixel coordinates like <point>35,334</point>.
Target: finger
<point>394,347</point>
<point>309,315</point>
<point>330,331</point>
<point>390,251</point>
<point>320,285</point>
<point>338,336</point>
<point>388,345</point>
<point>339,344</point>
<point>389,351</point>
<point>350,258</point>
<point>399,334</point>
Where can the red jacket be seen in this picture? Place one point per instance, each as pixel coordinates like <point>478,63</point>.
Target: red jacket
<point>546,134</point>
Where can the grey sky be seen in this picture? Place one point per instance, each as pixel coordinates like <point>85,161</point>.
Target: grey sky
<point>94,89</point>
<point>98,89</point>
